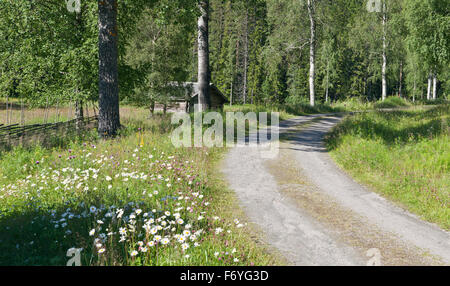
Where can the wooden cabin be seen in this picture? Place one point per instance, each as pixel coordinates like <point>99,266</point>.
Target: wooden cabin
<point>187,97</point>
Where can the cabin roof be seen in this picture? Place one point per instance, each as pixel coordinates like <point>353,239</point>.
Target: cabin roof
<point>193,89</point>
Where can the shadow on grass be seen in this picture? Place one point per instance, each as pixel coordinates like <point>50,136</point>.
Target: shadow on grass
<point>397,127</point>
<point>31,235</point>
<point>29,238</point>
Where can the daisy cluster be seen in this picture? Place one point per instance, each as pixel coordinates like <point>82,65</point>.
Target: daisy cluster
<point>122,207</point>
<point>139,234</point>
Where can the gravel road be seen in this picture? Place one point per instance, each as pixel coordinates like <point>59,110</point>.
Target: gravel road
<point>313,213</point>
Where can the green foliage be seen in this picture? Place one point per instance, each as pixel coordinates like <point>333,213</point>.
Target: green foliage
<point>402,154</point>
<point>160,51</point>
<point>258,49</point>
<point>392,102</point>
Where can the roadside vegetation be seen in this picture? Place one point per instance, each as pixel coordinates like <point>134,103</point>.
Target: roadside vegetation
<point>134,200</point>
<point>290,110</point>
<point>404,155</point>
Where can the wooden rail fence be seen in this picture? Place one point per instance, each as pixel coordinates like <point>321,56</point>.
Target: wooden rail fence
<point>15,134</point>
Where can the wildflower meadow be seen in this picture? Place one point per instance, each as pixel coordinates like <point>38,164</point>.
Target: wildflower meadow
<point>135,200</point>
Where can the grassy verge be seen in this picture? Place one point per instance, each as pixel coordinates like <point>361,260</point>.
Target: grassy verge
<point>135,200</point>
<point>286,111</point>
<point>290,110</point>
<point>392,102</point>
<point>404,155</point>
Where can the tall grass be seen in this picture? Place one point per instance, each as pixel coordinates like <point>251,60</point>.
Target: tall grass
<point>292,109</point>
<point>392,102</point>
<point>404,155</point>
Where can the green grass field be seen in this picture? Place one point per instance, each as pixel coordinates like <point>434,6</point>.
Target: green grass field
<point>404,155</point>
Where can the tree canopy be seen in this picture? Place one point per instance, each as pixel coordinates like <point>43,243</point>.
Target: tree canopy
<point>259,49</point>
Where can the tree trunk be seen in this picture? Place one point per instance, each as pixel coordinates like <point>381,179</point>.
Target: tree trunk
<point>434,86</point>
<point>79,114</point>
<point>7,114</point>
<point>152,107</point>
<point>69,111</point>
<point>231,96</point>
<point>414,91</point>
<point>204,100</point>
<point>400,80</point>
<point>22,113</point>
<point>246,57</point>
<point>429,86</point>
<point>328,82</point>
<point>312,53</point>
<point>109,116</point>
<point>236,69</point>
<point>383,69</point>
<point>46,111</point>
<point>87,109</point>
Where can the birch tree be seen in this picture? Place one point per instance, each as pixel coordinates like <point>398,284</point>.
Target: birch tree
<point>312,52</point>
<point>428,37</point>
<point>384,56</point>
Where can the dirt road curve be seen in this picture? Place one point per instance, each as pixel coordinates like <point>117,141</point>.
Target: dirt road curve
<point>315,214</point>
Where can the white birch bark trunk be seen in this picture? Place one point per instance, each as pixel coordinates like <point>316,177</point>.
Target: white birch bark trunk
<point>400,80</point>
<point>246,57</point>
<point>429,86</point>
<point>312,52</point>
<point>328,82</point>
<point>434,86</point>
<point>384,65</point>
